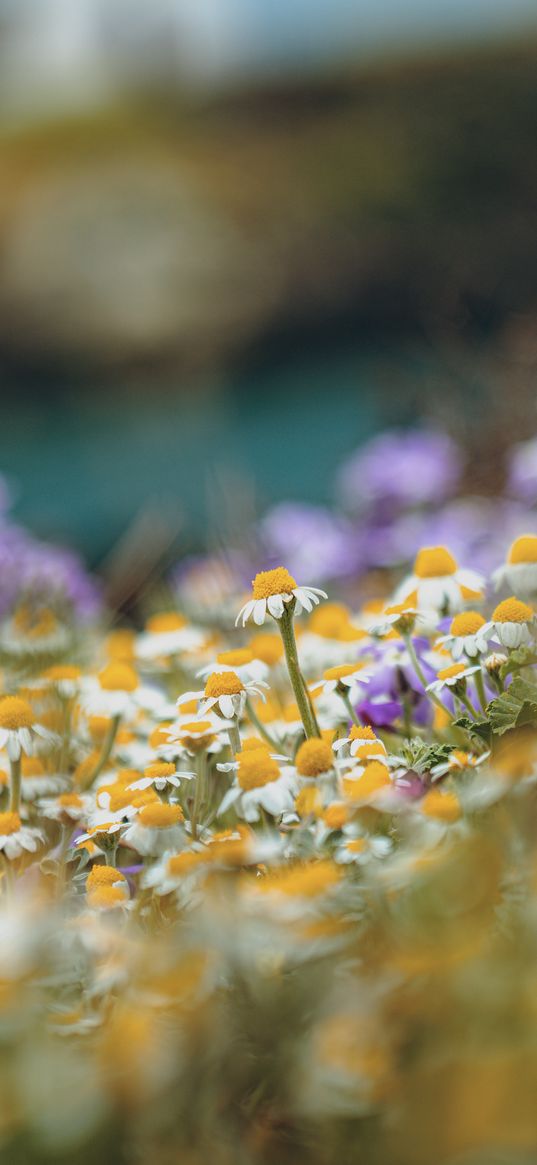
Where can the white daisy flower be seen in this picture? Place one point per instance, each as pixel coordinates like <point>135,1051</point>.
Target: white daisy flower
<point>157,829</point>
<point>165,635</point>
<point>457,761</point>
<point>192,735</point>
<point>437,584</point>
<point>67,807</point>
<point>273,590</point>
<point>16,838</point>
<point>356,848</point>
<point>242,661</point>
<point>361,743</point>
<point>111,693</point>
<point>452,677</point>
<point>19,728</point>
<point>33,631</point>
<point>259,783</point>
<point>398,617</point>
<point>512,623</point>
<point>36,782</point>
<point>468,635</point>
<point>64,679</point>
<point>519,572</point>
<point>226,691</point>
<point>160,776</point>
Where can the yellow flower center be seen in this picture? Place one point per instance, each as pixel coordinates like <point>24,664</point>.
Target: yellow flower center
<point>336,815</point>
<point>70,801</point>
<point>9,823</point>
<point>467,623</point>
<point>118,677</point>
<point>197,727</point>
<point>329,621</point>
<point>524,549</point>
<point>364,732</point>
<point>374,777</point>
<point>159,736</point>
<point>120,645</point>
<point>165,621</point>
<point>313,758</point>
<point>15,713</point>
<point>252,743</point>
<point>62,672</point>
<point>103,876</point>
<point>159,769</point>
<point>157,815</point>
<point>510,611</point>
<point>448,673</point>
<point>434,562</point>
<point>268,648</point>
<point>341,670</point>
<point>273,582</point>
<point>180,864</point>
<point>34,624</point>
<point>441,806</point>
<point>223,683</point>
<point>364,751</point>
<point>235,658</point>
<point>302,880</point>
<point>256,768</point>
<point>308,802</point>
<point>31,766</point>
<point>356,845</point>
<point>106,897</point>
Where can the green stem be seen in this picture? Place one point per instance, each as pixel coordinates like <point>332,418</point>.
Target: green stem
<point>201,773</point>
<point>257,723</point>
<point>15,785</point>
<point>305,706</point>
<point>466,703</point>
<point>420,674</point>
<point>106,751</point>
<point>343,693</point>
<point>480,689</point>
<point>234,739</point>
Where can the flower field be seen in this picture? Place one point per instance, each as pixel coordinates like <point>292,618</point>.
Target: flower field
<point>268,868</point>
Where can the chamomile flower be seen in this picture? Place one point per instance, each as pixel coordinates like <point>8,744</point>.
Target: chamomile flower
<point>206,734</point>
<point>458,761</point>
<point>33,632</point>
<point>160,775</point>
<point>361,743</point>
<point>368,784</point>
<point>19,727</point>
<point>452,677</point>
<point>111,694</point>
<point>356,848</point>
<point>259,784</point>
<point>345,678</point>
<point>241,661</point>
<point>63,679</point>
<point>157,828</point>
<point>66,808</point>
<point>441,805</point>
<point>314,759</point>
<point>519,571</point>
<point>16,838</point>
<point>226,691</point>
<point>167,634</point>
<point>36,782</point>
<point>512,623</point>
<point>438,584</point>
<point>468,635</point>
<point>272,592</point>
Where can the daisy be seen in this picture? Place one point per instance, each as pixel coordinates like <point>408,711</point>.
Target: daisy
<point>157,828</point>
<point>466,635</point>
<point>314,759</point>
<point>452,677</point>
<point>357,849</point>
<point>36,782</point>
<point>512,623</point>
<point>33,631</point>
<point>367,785</point>
<point>241,661</point>
<point>438,584</point>
<point>361,743</point>
<point>259,784</point>
<point>273,591</point>
<point>16,838</point>
<point>519,572</point>
<point>344,679</point>
<point>111,694</point>
<point>399,617</point>
<point>441,805</point>
<point>457,761</point>
<point>226,691</point>
<point>167,634</point>
<point>160,776</point>
<point>64,679</point>
<point>193,736</point>
<point>19,727</point>
<point>68,807</point>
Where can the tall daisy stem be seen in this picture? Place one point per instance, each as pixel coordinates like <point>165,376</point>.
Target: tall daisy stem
<point>480,689</point>
<point>344,695</point>
<point>199,793</point>
<point>420,673</point>
<point>106,752</point>
<point>15,785</point>
<point>234,738</point>
<point>305,706</point>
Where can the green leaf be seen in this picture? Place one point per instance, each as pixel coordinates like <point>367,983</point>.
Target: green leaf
<point>523,657</point>
<point>481,729</point>
<point>421,756</point>
<point>517,706</point>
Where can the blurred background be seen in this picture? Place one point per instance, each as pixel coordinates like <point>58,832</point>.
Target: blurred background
<point>238,239</point>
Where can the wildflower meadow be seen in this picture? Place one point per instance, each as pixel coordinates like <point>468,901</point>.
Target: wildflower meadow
<point>268,872</point>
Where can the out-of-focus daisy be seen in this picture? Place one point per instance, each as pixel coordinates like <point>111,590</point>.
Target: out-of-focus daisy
<point>272,591</point>
<point>344,679</point>
<point>399,617</point>
<point>364,786</point>
<point>268,647</point>
<point>314,759</point>
<point>63,679</point>
<point>36,782</point>
<point>19,727</point>
<point>157,828</point>
<point>467,635</point>
<point>259,784</point>
<point>165,635</point>
<point>512,623</point>
<point>16,838</point>
<point>67,807</point>
<point>226,691</point>
<point>438,584</point>
<point>361,743</point>
<point>355,848</point>
<point>457,761</point>
<point>196,735</point>
<point>454,676</point>
<point>33,631</point>
<point>441,805</point>
<point>160,775</point>
<point>519,571</point>
<point>241,661</point>
<point>112,693</point>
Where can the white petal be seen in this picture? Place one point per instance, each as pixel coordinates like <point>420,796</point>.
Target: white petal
<point>275,605</point>
<point>229,798</point>
<point>260,611</point>
<point>227,706</point>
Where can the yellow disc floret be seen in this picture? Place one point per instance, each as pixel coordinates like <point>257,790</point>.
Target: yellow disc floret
<point>106,897</point>
<point>165,621</point>
<point>159,769</point>
<point>467,623</point>
<point>510,611</point>
<point>341,670</point>
<point>441,806</point>
<point>273,582</point>
<point>118,677</point>
<point>157,815</point>
<point>268,648</point>
<point>523,550</point>
<point>314,757</point>
<point>374,778</point>
<point>256,768</point>
<point>302,879</point>
<point>235,658</point>
<point>362,732</point>
<point>329,621</point>
<point>103,876</point>
<point>61,672</point>
<point>223,683</point>
<point>450,673</point>
<point>9,823</point>
<point>15,713</point>
<point>434,562</point>
<point>70,801</point>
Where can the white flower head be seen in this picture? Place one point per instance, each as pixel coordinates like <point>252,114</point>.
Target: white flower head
<point>16,838</point>
<point>438,585</point>
<point>273,590</point>
<point>513,624</point>
<point>18,727</point>
<point>259,783</point>
<point>226,691</point>
<point>157,828</point>
<point>452,677</point>
<point>519,571</point>
<point>468,635</point>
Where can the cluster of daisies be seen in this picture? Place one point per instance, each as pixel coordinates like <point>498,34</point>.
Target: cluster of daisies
<point>259,787</point>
